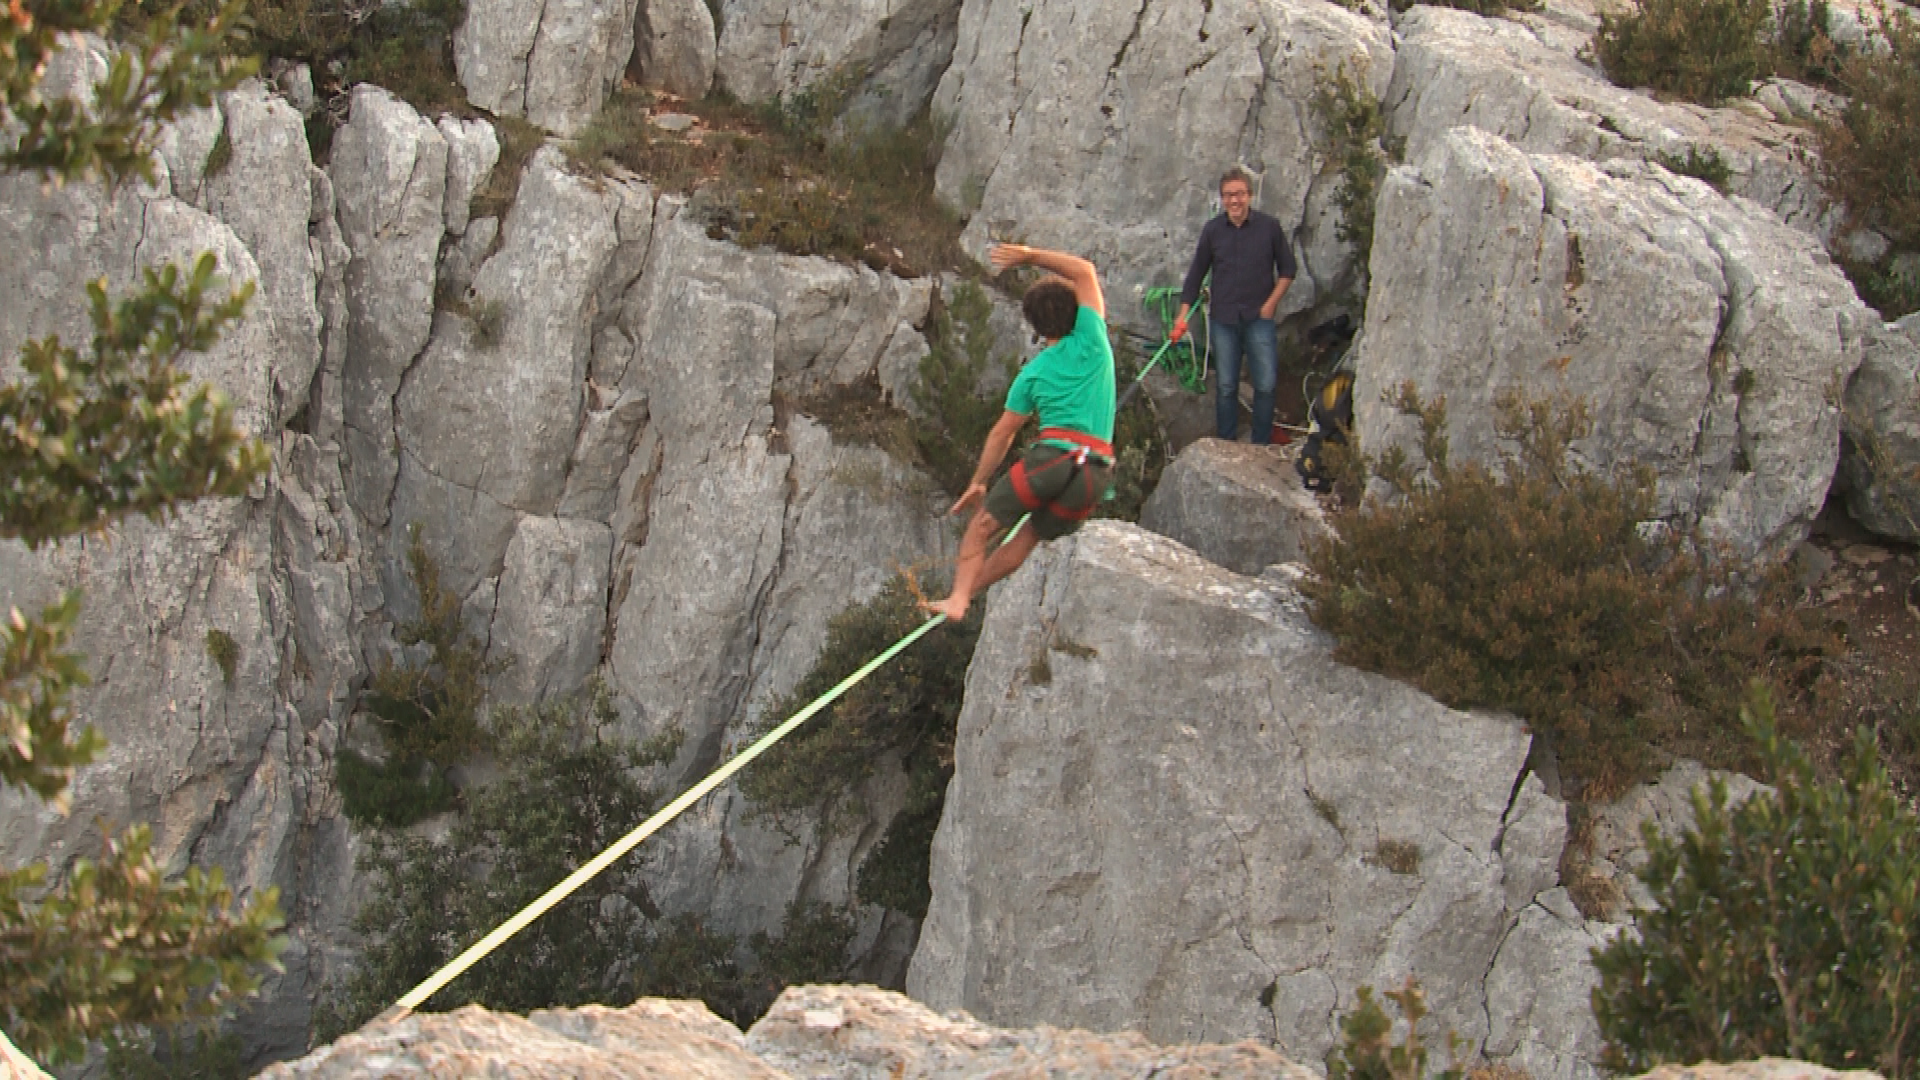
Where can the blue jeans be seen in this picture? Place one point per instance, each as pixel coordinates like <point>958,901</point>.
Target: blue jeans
<point>1256,341</point>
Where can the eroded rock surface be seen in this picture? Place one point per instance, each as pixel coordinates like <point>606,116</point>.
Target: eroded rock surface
<point>1238,505</point>
<point>880,58</point>
<point>1709,341</point>
<point>1880,460</point>
<point>1173,813</point>
<point>551,61</point>
<point>1104,129</point>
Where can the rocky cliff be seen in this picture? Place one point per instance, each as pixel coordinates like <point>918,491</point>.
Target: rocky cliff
<point>596,415</point>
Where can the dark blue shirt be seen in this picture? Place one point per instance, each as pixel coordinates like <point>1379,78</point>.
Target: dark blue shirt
<point>1247,261</point>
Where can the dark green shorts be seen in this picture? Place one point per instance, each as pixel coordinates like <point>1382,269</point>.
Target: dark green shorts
<point>1048,484</point>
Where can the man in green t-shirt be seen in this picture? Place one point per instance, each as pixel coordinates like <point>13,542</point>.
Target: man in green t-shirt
<point>1070,387</point>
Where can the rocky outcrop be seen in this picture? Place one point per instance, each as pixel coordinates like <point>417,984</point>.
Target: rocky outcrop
<point>223,643</point>
<point>1237,505</point>
<point>1710,342</point>
<point>812,1031</point>
<point>878,58</point>
<point>1173,813</point>
<point>1104,129</point>
<point>1880,458</point>
<point>389,174</point>
<point>1522,79</point>
<point>674,47</point>
<point>551,61</point>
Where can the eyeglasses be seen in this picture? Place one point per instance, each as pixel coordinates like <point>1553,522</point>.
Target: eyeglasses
<point>1236,195</point>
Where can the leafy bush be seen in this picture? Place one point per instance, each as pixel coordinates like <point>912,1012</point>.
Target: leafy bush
<point>1366,1050</point>
<point>224,652</point>
<point>1700,50</point>
<point>1787,926</point>
<point>1867,155</point>
<point>177,1055</point>
<point>901,717</point>
<point>428,717</point>
<point>1538,587</point>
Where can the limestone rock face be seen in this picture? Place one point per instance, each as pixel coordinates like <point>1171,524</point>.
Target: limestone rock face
<point>1880,460</point>
<point>1170,806</point>
<point>1520,79</point>
<point>1103,129</point>
<point>887,52</point>
<point>490,412</point>
<point>389,174</point>
<point>1709,341</point>
<point>230,766</point>
<point>551,61</point>
<point>1238,505</point>
<point>674,47</point>
<point>551,613</point>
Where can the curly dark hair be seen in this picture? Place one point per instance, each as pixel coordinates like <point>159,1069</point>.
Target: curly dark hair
<point>1051,307</point>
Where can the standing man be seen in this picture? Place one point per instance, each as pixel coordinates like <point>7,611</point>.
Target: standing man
<point>1252,266</point>
<point>1067,471</point>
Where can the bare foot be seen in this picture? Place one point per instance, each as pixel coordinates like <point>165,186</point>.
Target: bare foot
<point>953,607</point>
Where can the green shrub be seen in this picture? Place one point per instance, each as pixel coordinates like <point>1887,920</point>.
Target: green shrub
<point>901,717</point>
<point>1354,126</point>
<point>1709,166</point>
<point>960,350</point>
<point>177,1055</point>
<point>428,717</point>
<point>1533,586</point>
<point>1367,1050</point>
<point>1699,50</point>
<point>1787,926</point>
<point>224,652</point>
<point>1867,156</point>
<point>1803,45</point>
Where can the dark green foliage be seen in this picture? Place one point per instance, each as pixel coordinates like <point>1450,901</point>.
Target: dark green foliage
<point>565,792</point>
<point>224,652</point>
<point>170,66</point>
<point>567,789</point>
<point>428,716</point>
<point>1533,587</point>
<point>86,439</point>
<point>1867,155</point>
<point>177,1055</point>
<point>1367,1051</point>
<point>898,874</point>
<point>1787,926</point>
<point>798,221</point>
<point>961,350</point>
<point>1699,50</point>
<point>901,717</point>
<point>1708,166</point>
<point>1353,125</point>
<point>119,947</point>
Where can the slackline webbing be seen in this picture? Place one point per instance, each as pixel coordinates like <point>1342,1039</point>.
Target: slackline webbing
<point>478,951</point>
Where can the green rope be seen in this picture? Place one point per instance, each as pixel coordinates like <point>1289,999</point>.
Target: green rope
<point>587,872</point>
<point>1164,302</point>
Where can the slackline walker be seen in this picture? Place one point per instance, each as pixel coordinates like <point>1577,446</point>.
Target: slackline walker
<point>588,871</point>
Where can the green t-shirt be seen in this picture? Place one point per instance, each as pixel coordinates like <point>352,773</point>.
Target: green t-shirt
<point>1070,384</point>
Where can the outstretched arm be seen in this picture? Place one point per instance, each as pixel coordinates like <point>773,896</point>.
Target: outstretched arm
<point>1078,272</point>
